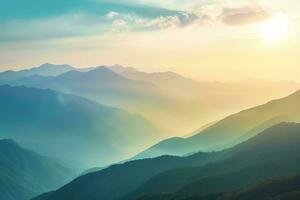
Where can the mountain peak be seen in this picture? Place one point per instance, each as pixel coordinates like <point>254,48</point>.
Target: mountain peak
<point>49,65</point>
<point>47,69</point>
<point>45,65</point>
<point>104,72</point>
<point>122,69</point>
<point>98,72</point>
<point>101,69</point>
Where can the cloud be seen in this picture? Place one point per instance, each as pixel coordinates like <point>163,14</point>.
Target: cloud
<point>84,24</point>
<point>243,16</point>
<point>96,18</point>
<point>119,22</point>
<point>137,22</point>
<point>164,22</point>
<point>84,18</point>
<point>111,14</point>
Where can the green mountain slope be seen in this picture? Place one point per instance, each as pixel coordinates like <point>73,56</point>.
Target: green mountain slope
<point>232,129</point>
<point>283,188</point>
<point>118,180</point>
<point>24,174</point>
<point>71,127</point>
<point>273,152</point>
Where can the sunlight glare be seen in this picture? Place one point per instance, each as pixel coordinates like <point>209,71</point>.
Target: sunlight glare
<point>275,29</point>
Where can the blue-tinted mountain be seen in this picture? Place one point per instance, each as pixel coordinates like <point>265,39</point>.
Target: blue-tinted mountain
<point>24,174</point>
<point>273,152</point>
<point>106,87</point>
<point>232,129</point>
<point>46,69</point>
<point>183,103</point>
<point>100,84</point>
<point>165,79</point>
<point>70,127</point>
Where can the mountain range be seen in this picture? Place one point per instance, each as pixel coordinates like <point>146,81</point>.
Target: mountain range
<point>184,104</point>
<point>273,152</point>
<point>82,118</point>
<point>25,174</point>
<point>71,127</point>
<point>43,70</point>
<point>231,130</point>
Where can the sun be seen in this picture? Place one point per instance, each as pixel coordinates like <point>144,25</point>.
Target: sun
<point>275,29</point>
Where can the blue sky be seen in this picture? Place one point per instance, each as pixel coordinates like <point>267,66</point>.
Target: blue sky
<point>26,20</point>
<point>197,38</point>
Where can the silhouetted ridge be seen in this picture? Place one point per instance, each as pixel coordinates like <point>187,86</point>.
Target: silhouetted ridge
<point>281,188</point>
<point>273,152</point>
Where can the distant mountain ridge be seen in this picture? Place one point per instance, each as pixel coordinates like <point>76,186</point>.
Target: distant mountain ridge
<point>43,70</point>
<point>183,103</point>
<point>24,174</point>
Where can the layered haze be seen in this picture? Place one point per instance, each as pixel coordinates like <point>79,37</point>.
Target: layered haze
<point>176,104</point>
<point>149,100</point>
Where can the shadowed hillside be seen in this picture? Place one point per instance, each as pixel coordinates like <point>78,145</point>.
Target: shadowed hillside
<point>24,174</point>
<point>273,152</point>
<point>79,129</point>
<point>283,188</point>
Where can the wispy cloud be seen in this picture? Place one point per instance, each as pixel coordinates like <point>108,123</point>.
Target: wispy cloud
<point>83,24</point>
<point>245,15</point>
<point>96,17</point>
<point>136,22</point>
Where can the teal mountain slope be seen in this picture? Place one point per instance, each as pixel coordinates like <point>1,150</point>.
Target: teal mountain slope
<point>232,129</point>
<point>24,174</point>
<point>71,127</point>
<point>273,152</point>
<point>118,180</point>
<point>100,84</point>
<point>283,188</point>
<point>106,87</point>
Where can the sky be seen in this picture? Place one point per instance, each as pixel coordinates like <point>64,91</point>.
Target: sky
<point>221,40</point>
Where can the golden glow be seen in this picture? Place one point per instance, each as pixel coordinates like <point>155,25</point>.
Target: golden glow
<point>275,29</point>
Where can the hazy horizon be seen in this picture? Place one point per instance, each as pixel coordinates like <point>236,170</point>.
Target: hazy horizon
<point>204,40</point>
<point>249,80</point>
<point>149,99</point>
